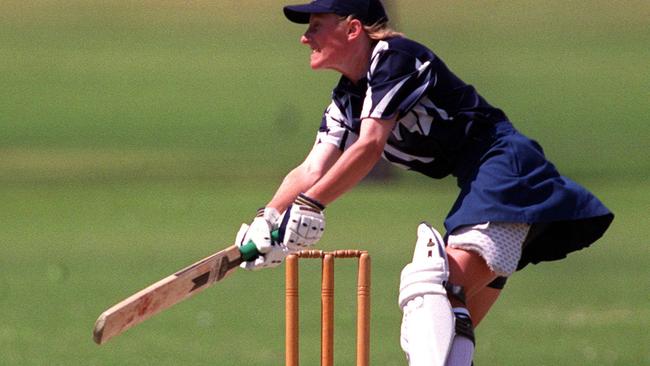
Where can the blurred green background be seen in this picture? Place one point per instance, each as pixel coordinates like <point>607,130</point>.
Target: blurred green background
<point>136,136</point>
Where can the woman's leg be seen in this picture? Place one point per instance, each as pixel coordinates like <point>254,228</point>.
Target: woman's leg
<point>469,275</point>
<point>428,322</point>
<point>469,270</point>
<point>480,258</point>
<point>481,303</point>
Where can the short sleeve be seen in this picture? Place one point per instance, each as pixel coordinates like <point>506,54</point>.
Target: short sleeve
<point>333,129</point>
<point>396,81</point>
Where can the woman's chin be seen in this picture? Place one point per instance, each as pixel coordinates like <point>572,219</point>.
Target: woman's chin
<point>316,62</point>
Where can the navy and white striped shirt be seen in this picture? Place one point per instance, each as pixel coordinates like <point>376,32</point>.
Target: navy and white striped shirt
<point>436,111</point>
<point>445,127</point>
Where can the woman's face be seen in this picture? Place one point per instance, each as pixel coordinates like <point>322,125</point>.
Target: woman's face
<point>327,38</point>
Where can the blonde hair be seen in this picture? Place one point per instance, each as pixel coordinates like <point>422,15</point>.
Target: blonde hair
<point>378,31</point>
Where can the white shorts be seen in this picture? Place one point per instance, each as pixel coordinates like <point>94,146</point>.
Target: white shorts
<point>499,243</point>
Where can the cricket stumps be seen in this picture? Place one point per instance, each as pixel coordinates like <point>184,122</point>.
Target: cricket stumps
<point>327,305</point>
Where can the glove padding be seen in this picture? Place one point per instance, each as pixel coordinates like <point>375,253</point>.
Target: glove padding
<point>259,231</point>
<point>302,224</point>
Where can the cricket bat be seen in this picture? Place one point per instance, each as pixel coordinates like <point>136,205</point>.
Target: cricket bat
<point>171,290</point>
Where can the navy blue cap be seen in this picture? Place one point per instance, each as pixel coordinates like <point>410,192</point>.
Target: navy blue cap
<point>367,11</point>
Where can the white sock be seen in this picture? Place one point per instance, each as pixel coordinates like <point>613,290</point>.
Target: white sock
<point>462,348</point>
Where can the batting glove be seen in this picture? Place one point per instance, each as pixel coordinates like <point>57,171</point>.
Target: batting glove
<point>303,223</point>
<point>259,232</point>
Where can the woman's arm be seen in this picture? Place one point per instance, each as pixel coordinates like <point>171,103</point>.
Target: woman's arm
<point>300,179</point>
<point>354,164</point>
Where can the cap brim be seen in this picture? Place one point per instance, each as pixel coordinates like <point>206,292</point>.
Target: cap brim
<point>300,13</point>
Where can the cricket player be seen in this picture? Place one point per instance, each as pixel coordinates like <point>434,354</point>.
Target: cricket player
<point>398,100</point>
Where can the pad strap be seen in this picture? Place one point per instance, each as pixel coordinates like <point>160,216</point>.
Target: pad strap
<point>456,291</point>
<point>464,325</point>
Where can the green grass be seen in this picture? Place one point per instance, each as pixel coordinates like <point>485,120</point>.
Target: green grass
<point>137,136</point>
<point>73,250</point>
<point>149,76</point>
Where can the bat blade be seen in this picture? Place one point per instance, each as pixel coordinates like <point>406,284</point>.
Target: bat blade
<point>167,292</point>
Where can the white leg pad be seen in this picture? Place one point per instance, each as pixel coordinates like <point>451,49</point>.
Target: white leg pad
<point>428,321</point>
<point>427,330</point>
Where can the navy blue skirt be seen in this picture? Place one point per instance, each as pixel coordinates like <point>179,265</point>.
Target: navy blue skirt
<point>505,177</point>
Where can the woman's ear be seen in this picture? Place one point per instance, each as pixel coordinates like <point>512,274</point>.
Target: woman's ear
<point>355,28</point>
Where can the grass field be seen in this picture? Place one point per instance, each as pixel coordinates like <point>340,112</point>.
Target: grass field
<point>135,137</point>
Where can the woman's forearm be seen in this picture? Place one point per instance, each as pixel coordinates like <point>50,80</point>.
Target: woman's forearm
<point>296,182</point>
<point>321,158</point>
<point>349,170</point>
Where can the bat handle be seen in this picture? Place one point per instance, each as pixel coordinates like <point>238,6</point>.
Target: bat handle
<point>249,250</point>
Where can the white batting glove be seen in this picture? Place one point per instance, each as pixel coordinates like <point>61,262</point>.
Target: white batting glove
<point>302,224</point>
<point>259,232</point>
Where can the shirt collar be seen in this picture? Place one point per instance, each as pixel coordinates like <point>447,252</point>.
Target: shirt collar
<point>346,86</point>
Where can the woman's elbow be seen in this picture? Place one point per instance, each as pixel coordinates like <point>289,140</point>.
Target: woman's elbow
<point>314,172</point>
<point>374,148</point>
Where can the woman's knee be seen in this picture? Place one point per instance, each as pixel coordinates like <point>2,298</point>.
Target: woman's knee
<point>469,270</point>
